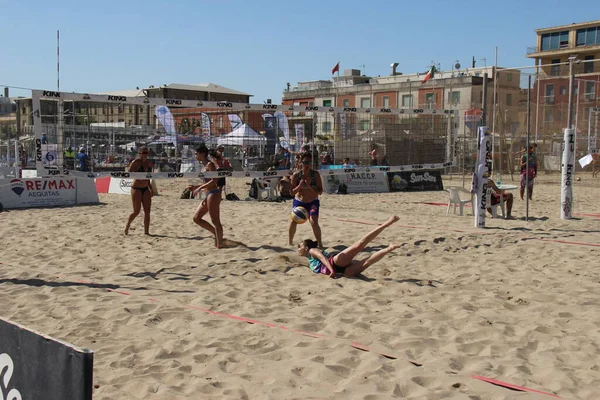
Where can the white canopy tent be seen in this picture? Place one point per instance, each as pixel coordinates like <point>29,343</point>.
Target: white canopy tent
<point>243,135</point>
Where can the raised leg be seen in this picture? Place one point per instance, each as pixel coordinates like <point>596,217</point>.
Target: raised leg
<point>359,266</point>
<point>347,255</point>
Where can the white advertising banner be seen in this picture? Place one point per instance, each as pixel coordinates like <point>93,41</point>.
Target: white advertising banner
<point>356,182</point>
<point>567,167</point>
<point>38,192</point>
<point>120,186</point>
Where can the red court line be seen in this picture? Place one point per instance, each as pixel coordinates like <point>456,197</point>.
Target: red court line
<point>588,215</point>
<point>513,387</point>
<point>568,242</point>
<point>253,321</point>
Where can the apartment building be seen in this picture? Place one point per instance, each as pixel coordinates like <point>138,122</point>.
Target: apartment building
<point>458,89</point>
<point>555,48</point>
<point>131,115</point>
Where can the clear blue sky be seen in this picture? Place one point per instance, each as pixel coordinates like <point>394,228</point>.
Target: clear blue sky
<point>258,46</point>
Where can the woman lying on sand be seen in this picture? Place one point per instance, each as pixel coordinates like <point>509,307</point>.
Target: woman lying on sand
<point>343,263</point>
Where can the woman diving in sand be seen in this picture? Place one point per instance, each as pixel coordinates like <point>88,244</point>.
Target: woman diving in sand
<point>320,262</point>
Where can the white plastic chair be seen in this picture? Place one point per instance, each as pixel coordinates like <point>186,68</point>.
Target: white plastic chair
<point>494,207</point>
<point>454,192</point>
<point>269,191</point>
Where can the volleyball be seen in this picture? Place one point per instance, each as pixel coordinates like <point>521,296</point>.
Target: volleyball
<point>299,215</point>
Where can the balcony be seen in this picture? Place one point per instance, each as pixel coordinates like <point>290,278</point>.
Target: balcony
<point>562,49</point>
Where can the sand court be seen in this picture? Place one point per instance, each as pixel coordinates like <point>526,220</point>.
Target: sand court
<point>170,317</point>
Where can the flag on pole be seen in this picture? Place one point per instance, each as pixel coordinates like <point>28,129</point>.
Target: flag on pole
<point>336,68</point>
<point>429,75</point>
<point>235,121</point>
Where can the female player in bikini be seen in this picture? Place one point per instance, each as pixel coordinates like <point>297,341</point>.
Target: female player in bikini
<point>212,202</point>
<point>344,263</point>
<point>141,190</point>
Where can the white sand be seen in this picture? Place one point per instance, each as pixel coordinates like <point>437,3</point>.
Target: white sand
<point>497,302</point>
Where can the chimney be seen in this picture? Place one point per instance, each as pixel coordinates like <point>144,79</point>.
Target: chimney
<point>394,66</point>
<point>6,92</point>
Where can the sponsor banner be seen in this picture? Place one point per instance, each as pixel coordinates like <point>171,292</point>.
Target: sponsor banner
<point>50,154</point>
<point>38,192</point>
<point>166,119</point>
<point>36,366</point>
<point>205,125</point>
<point>299,128</point>
<point>282,123</point>
<point>356,182</point>
<point>415,181</point>
<point>235,121</point>
<point>567,169</point>
<point>270,133</point>
<point>223,105</point>
<point>253,174</point>
<point>120,185</point>
<point>480,178</point>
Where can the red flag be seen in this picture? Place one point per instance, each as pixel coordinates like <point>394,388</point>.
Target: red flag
<point>336,68</point>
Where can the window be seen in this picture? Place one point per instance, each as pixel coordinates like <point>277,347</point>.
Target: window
<point>508,77</point>
<point>430,99</point>
<point>563,90</point>
<point>555,71</point>
<point>550,90</point>
<point>588,67</point>
<point>326,103</point>
<point>130,109</point>
<point>555,40</point>
<point>590,91</point>
<point>407,100</point>
<point>588,37</point>
<point>386,102</point>
<point>454,98</point>
<point>548,117</point>
<point>326,126</point>
<point>364,124</point>
<point>365,102</point>
<point>346,102</point>
<point>508,99</point>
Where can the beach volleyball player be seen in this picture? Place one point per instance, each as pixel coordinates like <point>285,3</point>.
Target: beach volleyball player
<point>307,186</point>
<point>320,262</point>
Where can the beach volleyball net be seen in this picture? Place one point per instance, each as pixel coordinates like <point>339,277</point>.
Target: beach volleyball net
<point>108,130</point>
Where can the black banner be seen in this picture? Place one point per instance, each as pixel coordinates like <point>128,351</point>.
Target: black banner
<point>33,366</point>
<point>271,135</point>
<point>415,181</point>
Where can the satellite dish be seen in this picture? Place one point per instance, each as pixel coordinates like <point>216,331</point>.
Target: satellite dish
<point>457,66</point>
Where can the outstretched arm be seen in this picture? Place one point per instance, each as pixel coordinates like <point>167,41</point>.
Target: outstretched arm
<point>315,253</point>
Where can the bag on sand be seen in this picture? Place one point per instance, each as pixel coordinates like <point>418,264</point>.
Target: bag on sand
<point>187,194</point>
